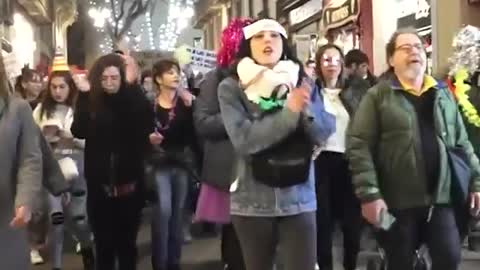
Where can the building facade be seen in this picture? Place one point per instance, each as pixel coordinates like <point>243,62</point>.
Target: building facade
<point>309,23</point>
<point>212,16</point>
<point>32,29</point>
<point>447,19</point>
<point>437,21</point>
<point>302,20</point>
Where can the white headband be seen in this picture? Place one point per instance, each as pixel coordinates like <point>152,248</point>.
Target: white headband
<point>263,25</point>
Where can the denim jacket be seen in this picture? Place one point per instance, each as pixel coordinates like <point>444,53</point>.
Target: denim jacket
<point>250,133</point>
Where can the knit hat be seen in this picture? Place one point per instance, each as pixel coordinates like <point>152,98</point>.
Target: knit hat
<point>263,25</point>
<point>59,62</point>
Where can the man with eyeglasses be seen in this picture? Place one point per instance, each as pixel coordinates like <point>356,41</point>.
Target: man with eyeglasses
<point>397,147</point>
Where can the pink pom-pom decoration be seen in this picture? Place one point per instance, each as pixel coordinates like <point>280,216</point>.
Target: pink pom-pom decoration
<point>232,35</point>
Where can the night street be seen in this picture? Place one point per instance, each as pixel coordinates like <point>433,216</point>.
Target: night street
<point>253,112</point>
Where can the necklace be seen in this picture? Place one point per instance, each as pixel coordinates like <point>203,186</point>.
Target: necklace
<point>159,126</point>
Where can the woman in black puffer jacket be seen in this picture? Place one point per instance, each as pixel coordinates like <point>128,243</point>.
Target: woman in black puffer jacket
<point>114,118</point>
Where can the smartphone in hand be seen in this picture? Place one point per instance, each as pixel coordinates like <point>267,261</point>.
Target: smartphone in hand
<point>386,220</point>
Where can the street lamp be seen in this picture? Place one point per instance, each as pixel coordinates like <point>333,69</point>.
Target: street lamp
<point>99,16</point>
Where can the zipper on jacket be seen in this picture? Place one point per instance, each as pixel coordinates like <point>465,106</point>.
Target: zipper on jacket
<point>438,107</point>
<point>430,213</point>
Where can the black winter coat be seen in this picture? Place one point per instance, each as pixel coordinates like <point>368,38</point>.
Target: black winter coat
<point>218,158</point>
<point>116,137</point>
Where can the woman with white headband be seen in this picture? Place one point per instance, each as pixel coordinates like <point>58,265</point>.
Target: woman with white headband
<point>274,120</point>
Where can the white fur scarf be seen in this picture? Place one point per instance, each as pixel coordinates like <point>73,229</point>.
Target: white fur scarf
<point>259,81</point>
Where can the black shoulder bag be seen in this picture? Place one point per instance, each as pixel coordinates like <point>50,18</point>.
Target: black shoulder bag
<point>460,169</point>
<point>286,163</point>
<point>461,176</point>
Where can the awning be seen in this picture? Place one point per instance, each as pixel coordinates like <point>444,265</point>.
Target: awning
<point>338,13</point>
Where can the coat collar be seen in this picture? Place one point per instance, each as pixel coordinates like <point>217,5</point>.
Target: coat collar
<point>428,83</point>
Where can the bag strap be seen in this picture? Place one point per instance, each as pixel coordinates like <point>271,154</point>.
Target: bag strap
<point>449,96</point>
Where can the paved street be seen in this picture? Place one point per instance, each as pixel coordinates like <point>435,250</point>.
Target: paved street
<point>204,254</point>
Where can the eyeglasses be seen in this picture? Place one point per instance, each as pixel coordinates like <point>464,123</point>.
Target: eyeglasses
<point>409,47</point>
<point>331,61</point>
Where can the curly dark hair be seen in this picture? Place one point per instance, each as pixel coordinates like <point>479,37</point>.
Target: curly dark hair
<point>48,103</point>
<point>95,78</point>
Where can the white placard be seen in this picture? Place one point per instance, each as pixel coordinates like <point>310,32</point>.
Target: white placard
<point>203,60</point>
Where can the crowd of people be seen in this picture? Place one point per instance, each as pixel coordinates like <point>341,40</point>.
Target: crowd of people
<point>283,150</point>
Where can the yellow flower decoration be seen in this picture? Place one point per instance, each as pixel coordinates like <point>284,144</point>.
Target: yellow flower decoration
<point>461,89</point>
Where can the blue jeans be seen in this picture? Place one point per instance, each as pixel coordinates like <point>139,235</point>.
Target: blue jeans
<point>72,217</point>
<point>167,219</point>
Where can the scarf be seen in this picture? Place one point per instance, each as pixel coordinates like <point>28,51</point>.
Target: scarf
<point>332,93</point>
<point>267,87</point>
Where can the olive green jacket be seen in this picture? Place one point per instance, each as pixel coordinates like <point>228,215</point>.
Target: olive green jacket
<point>384,148</point>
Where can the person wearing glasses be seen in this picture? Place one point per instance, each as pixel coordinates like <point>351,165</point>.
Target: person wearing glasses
<point>399,144</point>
